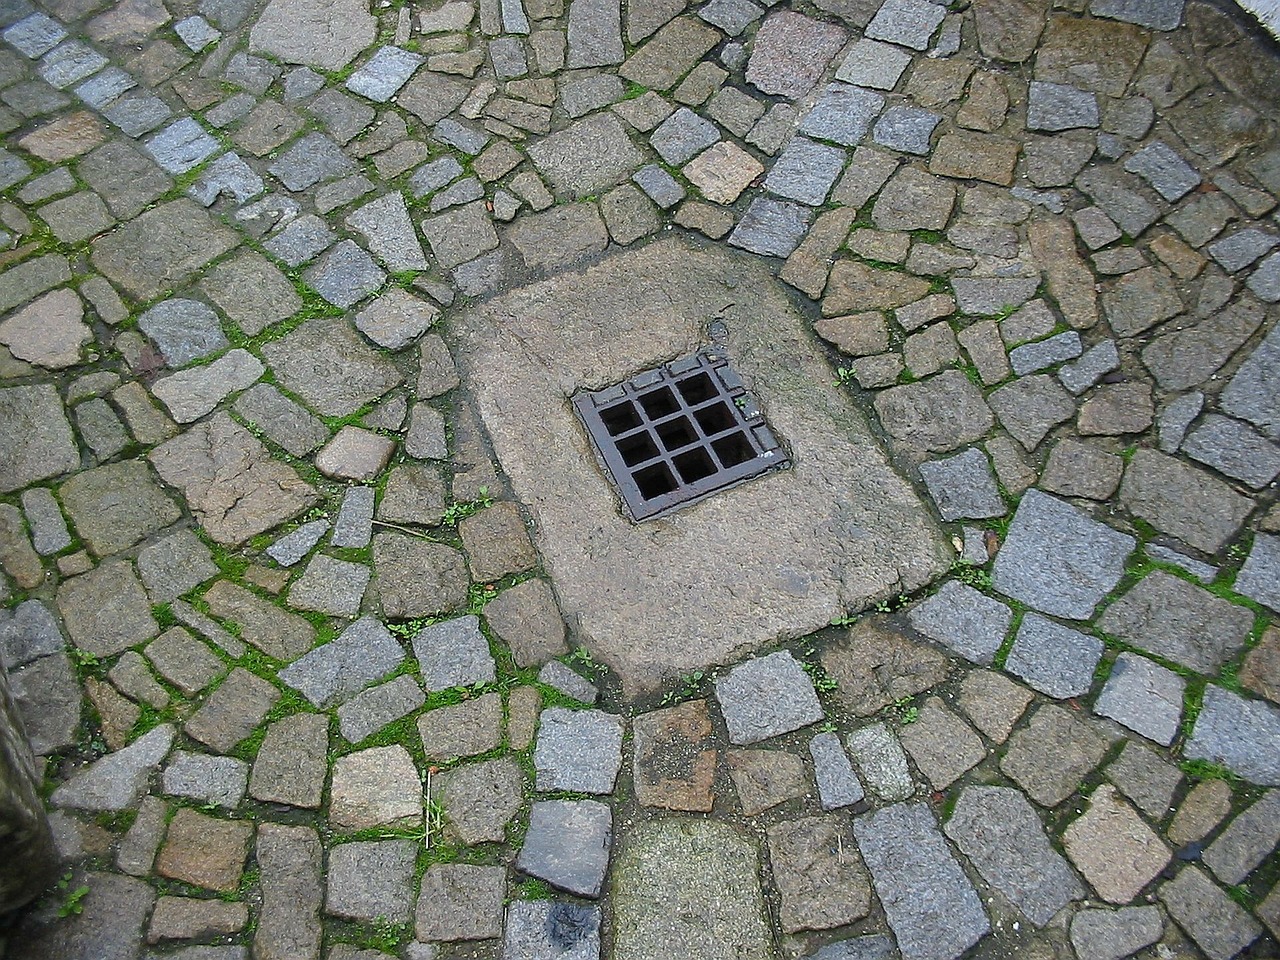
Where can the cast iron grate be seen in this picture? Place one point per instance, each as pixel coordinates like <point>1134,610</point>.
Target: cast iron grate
<point>674,435</point>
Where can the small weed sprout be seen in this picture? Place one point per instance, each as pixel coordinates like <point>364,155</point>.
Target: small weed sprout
<point>844,376</point>
<point>823,682</point>
<point>72,900</point>
<point>458,511</point>
<point>688,687</point>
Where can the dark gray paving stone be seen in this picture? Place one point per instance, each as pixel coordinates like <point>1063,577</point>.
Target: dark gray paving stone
<point>416,579</point>
<point>568,845</point>
<point>183,330</point>
<point>334,672</point>
<point>1059,560</point>
<point>371,879</point>
<point>594,33</point>
<point>1166,615</point>
<point>936,414</point>
<point>331,586</point>
<point>1252,394</point>
<point>175,565</point>
<point>384,74</point>
<point>873,946</point>
<point>353,527</point>
<point>551,930</point>
<point>369,711</point>
<point>137,114</point>
<point>1054,659</point>
<point>772,228</point>
<point>579,751</point>
<point>184,661</point>
<point>1243,735</point>
<point>118,780</point>
<point>1144,696</point>
<point>931,906</point>
<point>558,676</point>
<point>48,696</point>
<point>106,610</point>
<point>963,620</point>
<point>294,546</point>
<point>28,632</point>
<point>1242,248</point>
<point>220,781</point>
<point>182,146</point>
<point>1178,498</point>
<point>681,136</point>
<point>386,226</point>
<point>1115,934</point>
<point>232,712</point>
<point>1219,925</point>
<point>1000,833</point>
<point>37,436</point>
<point>731,16</point>
<point>838,785</point>
<point>1235,449</point>
<point>345,274</point>
<point>453,653</point>
<point>963,486</point>
<point>313,159</point>
<point>1156,14</point>
<point>910,23</point>
<point>907,129</point>
<point>281,420</point>
<point>1247,841</point>
<point>1058,106</point>
<point>766,697</point>
<point>843,114</point>
<point>804,171</point>
<point>1259,578</point>
<point>1114,192</point>
<point>1032,357</point>
<point>1169,175</point>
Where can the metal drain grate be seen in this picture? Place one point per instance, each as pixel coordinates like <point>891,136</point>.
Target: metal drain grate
<point>674,435</point>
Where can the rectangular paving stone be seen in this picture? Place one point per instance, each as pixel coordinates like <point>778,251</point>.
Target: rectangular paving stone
<point>1218,924</point>
<point>1144,696</point>
<point>1241,734</point>
<point>931,906</point>
<point>843,114</point>
<point>821,881</point>
<point>1247,841</point>
<point>384,74</point>
<point>1052,755</point>
<point>838,785</point>
<point>1054,659</point>
<point>805,171</point>
<point>332,673</point>
<point>568,845</point>
<point>578,751</point>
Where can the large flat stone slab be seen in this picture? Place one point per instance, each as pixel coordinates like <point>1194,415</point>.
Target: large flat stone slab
<point>688,888</point>
<point>637,591</point>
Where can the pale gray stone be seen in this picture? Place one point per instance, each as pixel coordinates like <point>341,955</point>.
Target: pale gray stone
<point>964,620</point>
<point>1243,735</point>
<point>766,697</point>
<point>1054,659</point>
<point>578,751</point>
<point>336,671</point>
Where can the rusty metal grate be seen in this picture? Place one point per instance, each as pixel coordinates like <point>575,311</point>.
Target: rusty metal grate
<point>674,435</point>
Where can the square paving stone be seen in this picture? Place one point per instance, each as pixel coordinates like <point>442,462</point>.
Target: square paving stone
<point>766,778</point>
<point>820,877</point>
<point>963,486</point>
<point>805,171</point>
<point>1113,848</point>
<point>843,114</point>
<point>1059,560</point>
<point>767,697</point>
<point>586,156</point>
<point>345,274</point>
<point>462,730</point>
<point>1054,659</point>
<point>378,787</point>
<point>907,22</point>
<point>460,902</point>
<point>292,762</point>
<point>964,620</point>
<point>675,758</point>
<point>1144,696</point>
<point>870,63</point>
<point>205,851</point>
<point>1241,734</point>
<point>106,609</point>
<point>683,135</point>
<point>233,710</point>
<point>480,799</point>
<point>791,52</point>
<point>526,618</point>
<point>1218,924</point>
<point>585,324</point>
<point>579,751</point>
<point>330,586</point>
<point>1146,779</point>
<point>371,880</point>
<point>568,845</point>
<point>453,653</point>
<point>942,745</point>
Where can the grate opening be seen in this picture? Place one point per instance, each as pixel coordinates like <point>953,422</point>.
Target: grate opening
<point>620,419</point>
<point>734,449</point>
<point>659,403</point>
<point>715,419</point>
<point>671,436</point>
<point>655,481</point>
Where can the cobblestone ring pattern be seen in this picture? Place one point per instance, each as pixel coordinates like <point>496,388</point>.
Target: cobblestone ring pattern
<point>330,635</point>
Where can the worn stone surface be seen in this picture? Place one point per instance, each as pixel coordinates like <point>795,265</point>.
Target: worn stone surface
<point>1239,734</point>
<point>821,887</point>
<point>371,879</point>
<point>1049,757</point>
<point>462,730</point>
<point>290,767</point>
<point>568,845</point>
<point>674,763</point>
<point>1218,924</point>
<point>660,885</point>
<point>1114,850</point>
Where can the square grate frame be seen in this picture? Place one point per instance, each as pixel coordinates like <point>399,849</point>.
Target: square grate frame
<point>679,433</point>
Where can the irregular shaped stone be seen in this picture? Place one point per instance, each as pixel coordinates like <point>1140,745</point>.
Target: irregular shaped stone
<point>964,620</point>
<point>276,632</point>
<point>326,34</point>
<point>998,830</point>
<point>1144,696</point>
<point>116,506</point>
<point>229,714</point>
<point>453,653</point>
<point>378,787</point>
<point>820,877</point>
<point>568,845</point>
<point>466,729</point>
<point>1053,659</point>
<point>1052,755</point>
<point>1215,922</point>
<point>289,859</point>
<point>118,780</point>
<point>292,762</point>
<point>936,414</point>
<point>367,880</point>
<point>526,618</point>
<point>332,673</point>
<point>49,332</point>
<point>1239,734</point>
<point>106,609</point>
<point>842,114</point>
<point>1117,853</point>
<point>931,906</point>
<point>36,436</point>
<point>480,799</point>
<point>674,762</point>
<point>190,394</point>
<point>1182,500</point>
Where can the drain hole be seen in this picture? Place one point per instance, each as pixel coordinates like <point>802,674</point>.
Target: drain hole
<point>694,465</point>
<point>697,389</point>
<point>715,419</point>
<point>733,449</point>
<point>620,418</point>
<point>654,481</point>
<point>637,449</point>
<point>676,434</point>
<point>659,403</point>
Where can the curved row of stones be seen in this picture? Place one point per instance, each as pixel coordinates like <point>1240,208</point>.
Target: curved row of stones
<point>275,620</point>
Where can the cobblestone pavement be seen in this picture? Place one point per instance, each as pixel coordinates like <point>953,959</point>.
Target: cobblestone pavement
<point>329,633</point>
